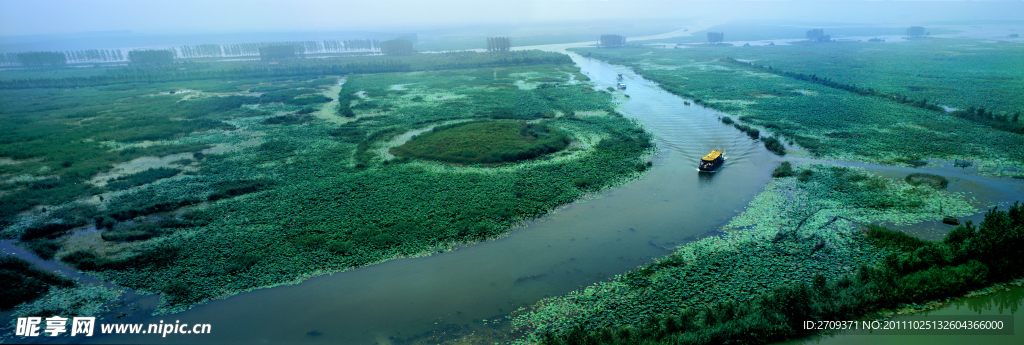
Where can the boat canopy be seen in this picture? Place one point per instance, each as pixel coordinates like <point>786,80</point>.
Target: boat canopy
<point>712,156</point>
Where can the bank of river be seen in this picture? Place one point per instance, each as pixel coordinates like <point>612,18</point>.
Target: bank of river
<point>1007,302</point>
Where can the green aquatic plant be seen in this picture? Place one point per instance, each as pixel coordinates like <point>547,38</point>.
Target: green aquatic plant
<point>795,232</point>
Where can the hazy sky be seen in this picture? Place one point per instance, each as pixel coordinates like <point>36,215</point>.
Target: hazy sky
<point>28,17</point>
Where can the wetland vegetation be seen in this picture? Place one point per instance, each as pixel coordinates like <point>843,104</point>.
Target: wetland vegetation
<point>809,246</point>
<point>173,171</point>
<point>199,186</point>
<point>876,104</point>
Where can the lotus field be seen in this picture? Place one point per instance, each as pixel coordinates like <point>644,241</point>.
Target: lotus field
<point>196,191</point>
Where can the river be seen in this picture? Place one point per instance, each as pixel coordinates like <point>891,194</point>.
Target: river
<point>582,243</point>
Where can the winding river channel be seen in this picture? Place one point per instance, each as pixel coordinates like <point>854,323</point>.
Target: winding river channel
<point>472,289</point>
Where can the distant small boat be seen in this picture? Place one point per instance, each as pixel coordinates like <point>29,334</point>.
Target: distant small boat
<point>950,220</point>
<point>711,162</point>
<point>621,86</point>
<point>620,77</point>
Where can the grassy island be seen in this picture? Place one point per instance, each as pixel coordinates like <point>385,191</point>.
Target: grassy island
<point>484,142</point>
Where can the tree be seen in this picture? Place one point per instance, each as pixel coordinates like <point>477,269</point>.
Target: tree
<point>396,47</point>
<point>916,31</point>
<point>818,35</point>
<point>715,37</point>
<point>498,44</point>
<point>277,52</point>
<point>611,40</point>
<point>42,59</point>
<point>151,56</point>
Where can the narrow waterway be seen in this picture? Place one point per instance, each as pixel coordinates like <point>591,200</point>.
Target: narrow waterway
<point>588,241</point>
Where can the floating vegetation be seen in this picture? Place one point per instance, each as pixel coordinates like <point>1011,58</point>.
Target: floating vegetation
<point>792,232</point>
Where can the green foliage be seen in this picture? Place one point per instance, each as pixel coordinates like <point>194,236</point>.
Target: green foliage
<point>232,189</point>
<point>298,200</point>
<point>611,40</point>
<point>277,52</point>
<point>295,119</point>
<point>42,59</point>
<point>795,233</point>
<point>141,178</point>
<point>785,169</point>
<point>21,282</point>
<point>894,239</point>
<point>915,31</point>
<point>1003,122</point>
<point>484,142</point>
<point>396,47</point>
<point>59,222</point>
<point>727,120</point>
<point>44,248</point>
<point>774,145</point>
<point>715,37</point>
<point>499,44</point>
<point>924,270</point>
<point>754,133</point>
<point>162,57</point>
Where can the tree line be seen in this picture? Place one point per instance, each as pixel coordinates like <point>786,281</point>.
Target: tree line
<point>41,59</point>
<point>611,40</point>
<point>498,44</point>
<point>396,47</point>
<point>151,57</point>
<point>277,52</point>
<point>77,56</point>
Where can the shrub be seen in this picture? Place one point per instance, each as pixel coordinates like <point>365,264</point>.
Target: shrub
<point>21,282</point>
<point>235,188</point>
<point>805,175</point>
<point>783,170</point>
<point>44,248</point>
<point>774,145</point>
